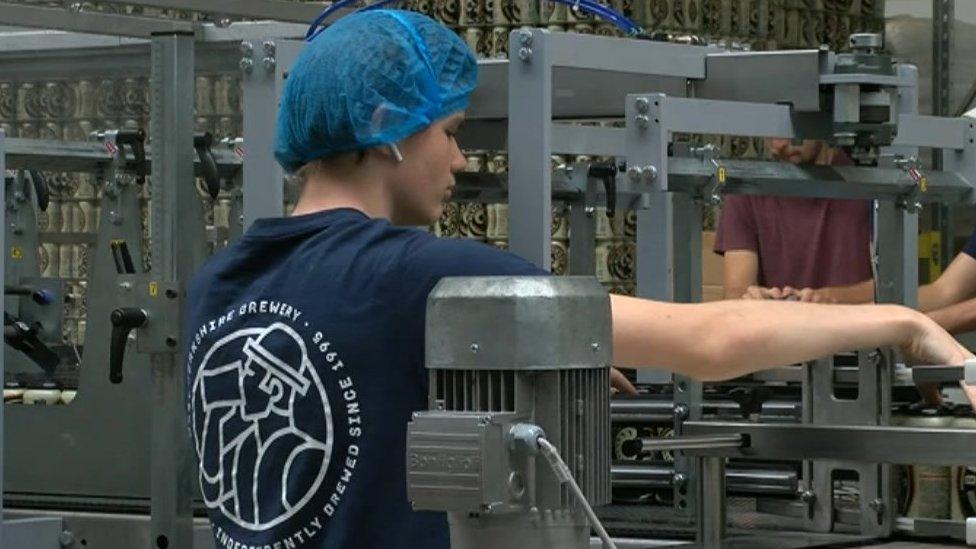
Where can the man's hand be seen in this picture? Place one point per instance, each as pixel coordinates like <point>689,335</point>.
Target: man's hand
<point>809,295</point>
<point>620,384</point>
<point>759,292</point>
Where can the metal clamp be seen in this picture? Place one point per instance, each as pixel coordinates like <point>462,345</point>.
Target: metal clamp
<point>709,154</point>
<point>912,167</point>
<point>969,376</point>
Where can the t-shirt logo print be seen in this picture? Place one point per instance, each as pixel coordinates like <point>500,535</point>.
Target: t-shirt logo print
<point>261,436</point>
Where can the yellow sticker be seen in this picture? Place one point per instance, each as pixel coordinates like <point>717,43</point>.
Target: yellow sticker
<point>16,252</point>
<point>721,174</point>
<point>923,184</point>
<point>153,289</point>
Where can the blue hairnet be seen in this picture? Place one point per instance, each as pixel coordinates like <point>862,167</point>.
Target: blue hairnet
<point>372,78</point>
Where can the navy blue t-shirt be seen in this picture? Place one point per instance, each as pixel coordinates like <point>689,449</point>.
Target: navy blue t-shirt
<point>305,359</point>
<point>970,247</point>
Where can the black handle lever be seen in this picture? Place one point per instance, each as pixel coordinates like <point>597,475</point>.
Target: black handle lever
<point>23,337</point>
<point>124,320</point>
<point>608,174</point>
<point>137,140</point>
<point>40,189</point>
<point>208,166</point>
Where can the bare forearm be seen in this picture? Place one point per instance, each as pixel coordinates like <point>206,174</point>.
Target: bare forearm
<point>727,339</point>
<point>862,292</point>
<point>958,318</point>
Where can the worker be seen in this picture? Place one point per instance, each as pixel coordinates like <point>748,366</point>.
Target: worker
<point>811,249</point>
<point>305,337</point>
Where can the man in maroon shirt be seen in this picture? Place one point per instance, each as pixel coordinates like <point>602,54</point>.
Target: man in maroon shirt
<point>812,249</point>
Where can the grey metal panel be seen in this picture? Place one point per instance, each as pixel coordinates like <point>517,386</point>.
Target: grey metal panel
<point>626,55</point>
<point>593,140</point>
<point>263,177</point>
<point>31,533</point>
<point>87,22</point>
<point>576,93</point>
<point>178,246</point>
<point>931,131</point>
<point>726,117</point>
<point>741,76</point>
<point>855,443</point>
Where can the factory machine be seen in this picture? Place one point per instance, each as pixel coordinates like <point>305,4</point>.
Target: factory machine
<point>796,457</point>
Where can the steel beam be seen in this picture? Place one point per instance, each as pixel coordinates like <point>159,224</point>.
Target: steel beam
<point>277,10</point>
<point>87,22</point>
<point>856,443</point>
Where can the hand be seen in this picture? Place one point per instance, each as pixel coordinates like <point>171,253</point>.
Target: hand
<point>933,345</point>
<point>758,292</point>
<point>810,295</point>
<point>620,384</point>
<point>930,344</point>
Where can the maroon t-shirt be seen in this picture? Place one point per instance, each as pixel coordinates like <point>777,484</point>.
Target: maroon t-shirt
<point>801,242</point>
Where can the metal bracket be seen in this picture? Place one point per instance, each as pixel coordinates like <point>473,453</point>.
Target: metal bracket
<point>161,300</point>
<point>910,201</point>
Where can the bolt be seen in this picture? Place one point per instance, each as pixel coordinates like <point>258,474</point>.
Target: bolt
<point>877,505</point>
<point>874,357</point>
<point>642,121</point>
<point>75,7</point>
<point>247,65</point>
<point>475,347</point>
<point>269,63</point>
<point>114,217</point>
<point>19,196</point>
<point>247,48</point>
<point>808,497</point>
<point>595,347</point>
<point>269,47</point>
<point>681,412</point>
<point>525,54</point>
<point>223,22</point>
<point>66,538</point>
<point>525,37</point>
<point>642,105</point>
<point>679,479</point>
<point>634,173</point>
<point>125,286</point>
<point>649,173</point>
<point>589,211</point>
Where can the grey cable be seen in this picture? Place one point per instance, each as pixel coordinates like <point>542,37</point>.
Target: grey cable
<point>566,476</point>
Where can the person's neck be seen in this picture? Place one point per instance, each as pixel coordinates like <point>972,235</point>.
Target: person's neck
<point>360,193</point>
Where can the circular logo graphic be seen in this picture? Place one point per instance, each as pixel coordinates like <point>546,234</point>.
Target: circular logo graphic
<point>262,426</point>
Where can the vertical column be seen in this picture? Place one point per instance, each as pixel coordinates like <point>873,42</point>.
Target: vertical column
<point>178,247</point>
<point>3,256</point>
<point>582,233</point>
<point>668,257</point>
<point>265,65</point>
<point>529,147</point>
<point>711,515</point>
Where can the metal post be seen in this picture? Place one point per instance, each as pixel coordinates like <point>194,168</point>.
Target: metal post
<point>3,247</point>
<point>943,15</point>
<point>265,65</point>
<point>582,233</point>
<point>530,146</point>
<point>668,255</point>
<point>178,247</point>
<point>711,504</point>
